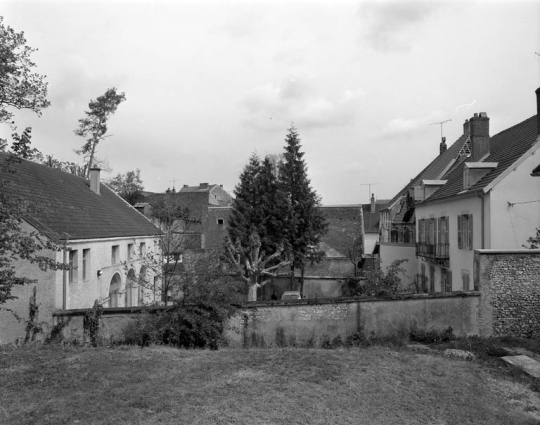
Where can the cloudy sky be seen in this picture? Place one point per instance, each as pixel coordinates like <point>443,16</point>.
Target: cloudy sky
<point>210,82</point>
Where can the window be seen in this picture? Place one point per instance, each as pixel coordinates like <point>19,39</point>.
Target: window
<point>446,280</point>
<point>86,264</point>
<point>73,263</point>
<point>422,231</point>
<point>142,249</point>
<point>220,221</point>
<point>130,252</point>
<point>115,254</point>
<point>424,278</point>
<point>465,232</point>
<point>466,278</point>
<point>432,279</point>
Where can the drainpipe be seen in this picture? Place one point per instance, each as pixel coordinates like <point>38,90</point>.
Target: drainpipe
<point>64,281</point>
<point>482,219</point>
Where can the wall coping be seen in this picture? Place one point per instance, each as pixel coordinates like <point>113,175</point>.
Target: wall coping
<point>365,299</point>
<point>279,303</point>
<point>508,251</point>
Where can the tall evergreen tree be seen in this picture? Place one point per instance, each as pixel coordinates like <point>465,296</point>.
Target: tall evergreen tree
<point>305,223</point>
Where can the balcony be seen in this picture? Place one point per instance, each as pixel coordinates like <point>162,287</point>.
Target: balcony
<point>438,251</point>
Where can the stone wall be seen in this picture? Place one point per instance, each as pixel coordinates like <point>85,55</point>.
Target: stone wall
<point>310,322</point>
<point>509,282</point>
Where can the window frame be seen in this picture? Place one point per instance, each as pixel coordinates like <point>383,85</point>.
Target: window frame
<point>86,262</point>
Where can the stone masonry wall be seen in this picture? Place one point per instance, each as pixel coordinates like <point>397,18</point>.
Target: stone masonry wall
<point>509,282</point>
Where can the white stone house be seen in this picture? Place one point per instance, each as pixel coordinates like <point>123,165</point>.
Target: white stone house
<point>490,200</point>
<point>101,237</point>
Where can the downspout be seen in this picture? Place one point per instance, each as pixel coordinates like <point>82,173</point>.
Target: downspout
<point>64,281</point>
<point>482,219</point>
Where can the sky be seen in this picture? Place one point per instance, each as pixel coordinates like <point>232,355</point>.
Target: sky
<point>208,83</point>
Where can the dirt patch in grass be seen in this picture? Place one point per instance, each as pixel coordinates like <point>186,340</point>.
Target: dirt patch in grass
<point>158,385</point>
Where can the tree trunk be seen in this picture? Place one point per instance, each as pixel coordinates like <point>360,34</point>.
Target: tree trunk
<point>252,295</point>
<point>302,269</point>
<point>292,277</point>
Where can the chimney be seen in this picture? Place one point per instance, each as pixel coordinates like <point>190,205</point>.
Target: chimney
<point>538,111</point>
<point>479,132</point>
<point>466,127</point>
<point>203,186</point>
<point>442,146</point>
<point>94,180</point>
<point>372,210</point>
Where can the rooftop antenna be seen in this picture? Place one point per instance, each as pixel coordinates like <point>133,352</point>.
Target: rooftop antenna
<point>369,188</point>
<point>174,182</point>
<point>441,124</point>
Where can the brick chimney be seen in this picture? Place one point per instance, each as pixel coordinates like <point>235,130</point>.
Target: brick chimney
<point>373,210</point>
<point>479,132</point>
<point>442,146</point>
<point>466,128</point>
<point>538,111</point>
<point>94,180</point>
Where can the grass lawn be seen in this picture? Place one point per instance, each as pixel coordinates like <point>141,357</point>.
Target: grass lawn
<point>158,385</point>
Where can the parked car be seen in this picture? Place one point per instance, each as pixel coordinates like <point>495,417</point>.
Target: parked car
<point>291,295</point>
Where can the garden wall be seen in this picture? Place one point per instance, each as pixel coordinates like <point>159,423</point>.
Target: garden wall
<point>307,322</point>
<point>509,282</point>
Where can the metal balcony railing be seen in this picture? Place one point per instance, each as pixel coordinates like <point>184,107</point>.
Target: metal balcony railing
<point>438,250</point>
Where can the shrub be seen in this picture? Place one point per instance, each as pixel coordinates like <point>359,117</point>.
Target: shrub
<point>187,326</point>
<point>432,336</point>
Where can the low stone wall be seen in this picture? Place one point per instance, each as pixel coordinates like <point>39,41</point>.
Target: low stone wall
<point>509,282</point>
<point>309,322</point>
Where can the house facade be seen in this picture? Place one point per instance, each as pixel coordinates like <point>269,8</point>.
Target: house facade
<point>490,201</point>
<point>398,219</point>
<point>99,235</point>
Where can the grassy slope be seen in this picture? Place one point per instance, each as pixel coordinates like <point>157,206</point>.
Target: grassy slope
<point>377,385</point>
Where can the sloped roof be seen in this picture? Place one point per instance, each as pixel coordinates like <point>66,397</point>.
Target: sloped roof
<point>506,148</point>
<point>62,205</point>
<point>440,166</point>
<point>371,219</point>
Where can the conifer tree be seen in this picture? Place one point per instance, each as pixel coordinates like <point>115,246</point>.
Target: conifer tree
<point>305,224</point>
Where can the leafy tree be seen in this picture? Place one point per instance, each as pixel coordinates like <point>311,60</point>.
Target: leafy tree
<point>199,317</point>
<point>15,243</point>
<point>534,241</point>
<point>252,265</point>
<point>379,283</point>
<point>305,224</point>
<point>20,88</point>
<point>94,126</point>
<point>129,186</point>
<point>178,241</point>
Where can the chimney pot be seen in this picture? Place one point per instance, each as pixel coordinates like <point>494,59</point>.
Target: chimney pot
<point>442,146</point>
<point>95,180</point>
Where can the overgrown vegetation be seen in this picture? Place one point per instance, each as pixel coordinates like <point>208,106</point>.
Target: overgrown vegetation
<point>378,283</point>
<point>432,336</point>
<point>197,319</point>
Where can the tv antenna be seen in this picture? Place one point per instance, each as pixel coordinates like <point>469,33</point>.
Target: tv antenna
<point>174,182</point>
<point>441,124</point>
<point>369,188</point>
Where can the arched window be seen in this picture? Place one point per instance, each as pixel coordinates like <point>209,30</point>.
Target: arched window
<point>131,288</point>
<point>114,290</point>
<point>142,284</point>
